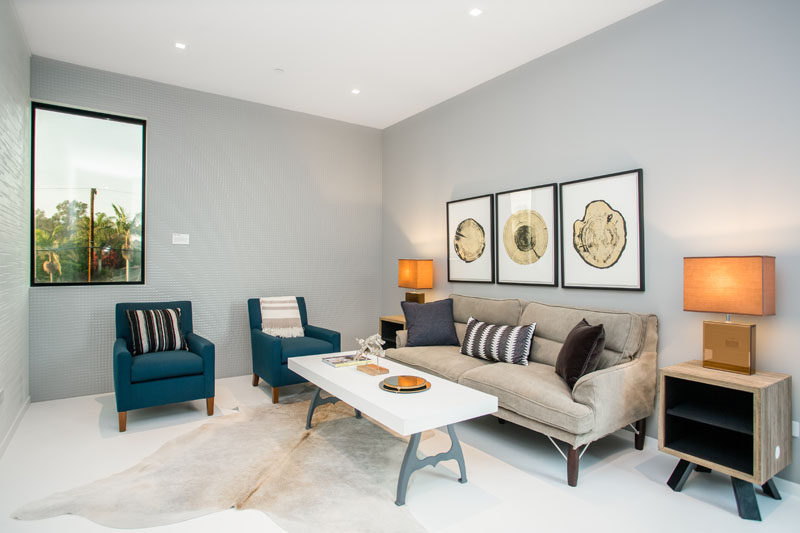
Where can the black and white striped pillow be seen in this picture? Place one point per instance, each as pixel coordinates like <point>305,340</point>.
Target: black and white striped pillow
<point>155,330</point>
<point>506,344</point>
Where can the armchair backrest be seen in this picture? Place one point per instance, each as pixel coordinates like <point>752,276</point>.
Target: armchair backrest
<point>254,308</point>
<point>124,329</point>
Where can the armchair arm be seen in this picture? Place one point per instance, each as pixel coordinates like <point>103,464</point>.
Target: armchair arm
<point>122,374</point>
<point>205,349</point>
<point>619,395</point>
<point>328,335</point>
<point>266,355</point>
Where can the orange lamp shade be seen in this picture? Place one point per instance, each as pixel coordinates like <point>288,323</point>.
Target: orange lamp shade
<point>733,285</point>
<point>415,273</point>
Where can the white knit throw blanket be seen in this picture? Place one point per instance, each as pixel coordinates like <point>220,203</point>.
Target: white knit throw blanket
<point>280,316</point>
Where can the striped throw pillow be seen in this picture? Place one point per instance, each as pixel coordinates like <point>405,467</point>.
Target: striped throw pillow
<point>506,344</point>
<point>155,330</point>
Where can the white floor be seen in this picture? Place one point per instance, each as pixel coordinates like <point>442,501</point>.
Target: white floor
<point>516,479</point>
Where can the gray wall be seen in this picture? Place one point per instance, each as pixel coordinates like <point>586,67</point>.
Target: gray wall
<point>702,95</point>
<point>275,202</point>
<point>14,220</point>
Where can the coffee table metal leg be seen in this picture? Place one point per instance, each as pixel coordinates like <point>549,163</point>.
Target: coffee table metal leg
<point>412,463</point>
<point>317,400</point>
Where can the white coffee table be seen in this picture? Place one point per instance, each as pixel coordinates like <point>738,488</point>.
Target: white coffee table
<point>444,404</point>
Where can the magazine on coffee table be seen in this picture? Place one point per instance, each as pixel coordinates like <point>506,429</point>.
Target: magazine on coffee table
<point>339,361</point>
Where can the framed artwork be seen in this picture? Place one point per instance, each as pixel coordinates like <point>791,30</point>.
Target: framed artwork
<point>527,236</point>
<point>470,230</point>
<point>602,234</point>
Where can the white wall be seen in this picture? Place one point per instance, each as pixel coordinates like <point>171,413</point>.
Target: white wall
<point>14,220</point>
<point>275,202</point>
<point>702,95</point>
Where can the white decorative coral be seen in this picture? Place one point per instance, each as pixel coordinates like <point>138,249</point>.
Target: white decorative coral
<point>371,346</point>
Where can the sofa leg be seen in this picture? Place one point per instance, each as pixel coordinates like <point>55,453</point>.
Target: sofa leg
<point>255,379</point>
<point>275,394</point>
<point>638,439</point>
<point>210,406</point>
<point>573,458</point>
<point>123,421</point>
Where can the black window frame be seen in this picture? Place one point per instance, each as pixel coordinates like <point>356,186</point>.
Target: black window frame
<point>99,115</point>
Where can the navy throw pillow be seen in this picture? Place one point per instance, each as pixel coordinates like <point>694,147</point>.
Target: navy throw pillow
<point>430,324</point>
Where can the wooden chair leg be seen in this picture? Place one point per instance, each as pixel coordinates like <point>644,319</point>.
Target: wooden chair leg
<point>210,406</point>
<point>255,379</point>
<point>573,458</point>
<point>123,421</point>
<point>275,394</point>
<point>638,439</point>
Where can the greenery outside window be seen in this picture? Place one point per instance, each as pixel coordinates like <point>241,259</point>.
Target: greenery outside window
<point>87,197</point>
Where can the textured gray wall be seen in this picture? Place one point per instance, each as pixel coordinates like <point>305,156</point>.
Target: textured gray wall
<point>14,219</point>
<point>275,202</point>
<point>702,95</point>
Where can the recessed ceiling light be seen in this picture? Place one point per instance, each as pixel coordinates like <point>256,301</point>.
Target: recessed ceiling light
<point>356,91</point>
<point>180,46</point>
<point>475,12</point>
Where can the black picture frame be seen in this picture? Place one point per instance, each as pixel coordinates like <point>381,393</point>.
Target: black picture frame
<point>622,194</point>
<point>482,268</point>
<point>534,269</point>
<point>36,105</point>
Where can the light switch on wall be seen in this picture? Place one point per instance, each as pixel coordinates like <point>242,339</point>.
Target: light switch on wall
<point>795,428</point>
<point>180,238</point>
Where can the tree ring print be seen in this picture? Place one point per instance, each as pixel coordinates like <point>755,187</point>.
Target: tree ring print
<point>600,237</point>
<point>470,240</point>
<point>525,236</point>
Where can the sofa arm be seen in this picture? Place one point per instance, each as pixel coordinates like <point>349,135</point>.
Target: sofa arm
<point>401,338</point>
<point>619,395</point>
<point>327,335</point>
<point>122,374</point>
<point>205,349</point>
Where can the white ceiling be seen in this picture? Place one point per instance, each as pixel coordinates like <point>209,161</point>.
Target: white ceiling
<point>404,55</point>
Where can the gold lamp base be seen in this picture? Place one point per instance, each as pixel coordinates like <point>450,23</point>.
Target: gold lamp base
<point>416,297</point>
<point>729,346</point>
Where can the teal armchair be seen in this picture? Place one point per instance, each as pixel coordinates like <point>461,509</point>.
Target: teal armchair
<point>271,354</point>
<point>160,378</point>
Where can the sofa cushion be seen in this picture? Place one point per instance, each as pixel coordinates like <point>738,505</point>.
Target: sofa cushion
<point>430,324</point>
<point>297,346</point>
<point>444,361</point>
<point>532,391</point>
<point>623,330</point>
<point>509,344</point>
<point>161,365</point>
<point>486,310</point>
<point>461,331</point>
<point>581,351</point>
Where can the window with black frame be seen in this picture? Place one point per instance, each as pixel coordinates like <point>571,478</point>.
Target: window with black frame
<point>87,197</point>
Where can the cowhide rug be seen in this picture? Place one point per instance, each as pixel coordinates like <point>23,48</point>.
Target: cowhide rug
<point>339,476</point>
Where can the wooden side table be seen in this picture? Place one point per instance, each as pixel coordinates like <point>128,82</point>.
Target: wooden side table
<point>736,424</point>
<point>388,326</point>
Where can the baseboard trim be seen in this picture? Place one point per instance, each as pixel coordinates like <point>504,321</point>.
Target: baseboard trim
<point>14,425</point>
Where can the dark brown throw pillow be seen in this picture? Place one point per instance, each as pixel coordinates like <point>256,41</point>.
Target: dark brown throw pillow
<point>581,351</point>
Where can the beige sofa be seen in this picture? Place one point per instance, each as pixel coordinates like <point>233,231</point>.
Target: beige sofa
<point>620,392</point>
